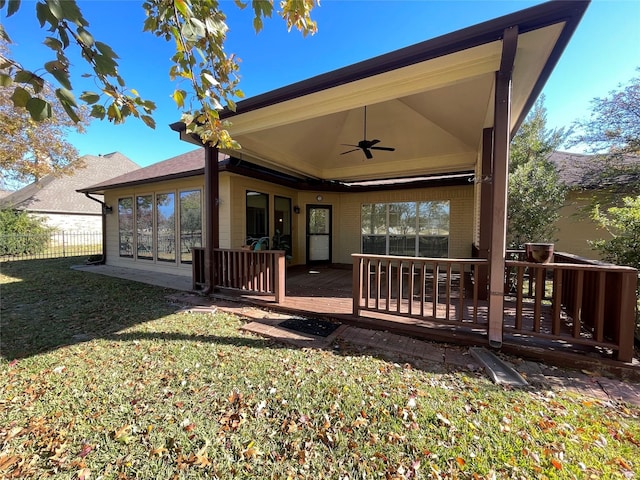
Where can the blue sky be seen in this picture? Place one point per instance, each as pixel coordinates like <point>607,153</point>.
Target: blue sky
<point>603,53</point>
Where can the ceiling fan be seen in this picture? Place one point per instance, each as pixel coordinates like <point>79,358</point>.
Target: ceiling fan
<point>366,145</point>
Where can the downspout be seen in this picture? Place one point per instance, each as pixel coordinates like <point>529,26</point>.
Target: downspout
<point>105,209</point>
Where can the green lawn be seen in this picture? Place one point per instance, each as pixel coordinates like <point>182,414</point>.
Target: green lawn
<point>101,378</point>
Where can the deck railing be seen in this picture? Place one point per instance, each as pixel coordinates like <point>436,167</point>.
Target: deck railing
<point>261,271</point>
<point>436,288</point>
<point>581,302</point>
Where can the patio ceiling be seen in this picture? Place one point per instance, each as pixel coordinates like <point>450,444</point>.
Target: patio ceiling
<point>430,101</point>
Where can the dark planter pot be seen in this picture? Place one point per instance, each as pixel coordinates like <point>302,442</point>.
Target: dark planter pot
<point>539,252</point>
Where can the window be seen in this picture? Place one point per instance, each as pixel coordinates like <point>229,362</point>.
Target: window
<point>282,218</point>
<point>125,226</point>
<point>406,228</point>
<point>190,223</point>
<point>257,217</point>
<point>144,226</point>
<point>166,227</point>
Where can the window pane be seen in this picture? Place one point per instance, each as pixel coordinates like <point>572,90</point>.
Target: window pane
<point>374,244</point>
<point>257,216</point>
<point>282,235</point>
<point>190,223</point>
<point>403,245</point>
<point>144,224</point>
<point>434,246</point>
<point>374,219</point>
<point>434,218</point>
<point>125,226</point>
<point>414,228</point>
<point>402,218</point>
<point>166,227</point>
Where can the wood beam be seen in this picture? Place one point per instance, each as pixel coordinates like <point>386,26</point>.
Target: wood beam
<point>484,240</point>
<point>212,214</point>
<point>500,179</point>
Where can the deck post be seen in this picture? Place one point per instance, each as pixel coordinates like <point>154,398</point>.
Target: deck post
<point>499,182</point>
<point>484,240</point>
<point>627,314</point>
<point>279,273</point>
<point>212,214</point>
<point>356,284</point>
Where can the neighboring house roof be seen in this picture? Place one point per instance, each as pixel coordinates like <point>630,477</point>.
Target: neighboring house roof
<point>582,171</point>
<point>4,193</point>
<point>185,165</point>
<point>58,194</point>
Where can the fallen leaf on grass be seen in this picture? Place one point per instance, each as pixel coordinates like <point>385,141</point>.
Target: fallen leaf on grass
<point>123,434</point>
<point>556,463</point>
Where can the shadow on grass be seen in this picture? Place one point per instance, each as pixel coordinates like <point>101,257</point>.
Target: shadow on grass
<point>47,305</point>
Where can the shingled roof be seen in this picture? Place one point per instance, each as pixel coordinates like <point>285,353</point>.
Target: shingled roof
<point>578,170</point>
<point>58,194</point>
<point>186,165</point>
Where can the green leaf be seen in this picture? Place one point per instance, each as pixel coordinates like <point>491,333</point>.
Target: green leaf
<point>66,96</point>
<point>105,49</point>
<point>20,97</point>
<point>98,111</point>
<point>104,65</point>
<point>39,109</point>
<point>86,37</point>
<point>70,112</point>
<point>210,79</point>
<point>63,36</point>
<point>23,76</point>
<point>13,7</point>
<point>183,8</point>
<point>44,15</point>
<point>178,97</point>
<point>149,121</point>
<point>114,114</point>
<point>72,13</point>
<point>5,80</point>
<point>55,8</point>
<point>59,71</point>
<point>89,97</point>
<point>53,43</point>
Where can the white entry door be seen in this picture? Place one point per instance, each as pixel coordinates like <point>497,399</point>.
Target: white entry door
<point>318,234</point>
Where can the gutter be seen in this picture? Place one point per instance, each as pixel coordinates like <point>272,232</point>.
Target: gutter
<point>105,209</point>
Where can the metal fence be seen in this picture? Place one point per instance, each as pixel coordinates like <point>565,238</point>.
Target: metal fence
<point>50,245</point>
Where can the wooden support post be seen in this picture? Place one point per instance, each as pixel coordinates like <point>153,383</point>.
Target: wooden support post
<point>499,182</point>
<point>484,242</point>
<point>212,216</point>
<point>279,273</point>
<point>627,315</point>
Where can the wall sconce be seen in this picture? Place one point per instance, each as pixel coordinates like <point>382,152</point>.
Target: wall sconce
<point>296,209</point>
<point>107,209</point>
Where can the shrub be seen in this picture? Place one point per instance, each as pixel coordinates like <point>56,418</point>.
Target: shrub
<point>20,233</point>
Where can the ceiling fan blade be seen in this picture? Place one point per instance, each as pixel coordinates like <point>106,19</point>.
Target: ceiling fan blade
<point>350,145</point>
<point>367,153</point>
<point>388,149</point>
<point>373,142</point>
<point>349,151</point>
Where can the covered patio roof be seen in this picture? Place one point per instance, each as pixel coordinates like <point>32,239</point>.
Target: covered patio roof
<point>430,101</point>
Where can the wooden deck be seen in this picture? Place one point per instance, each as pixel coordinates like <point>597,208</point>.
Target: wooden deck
<point>326,291</point>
